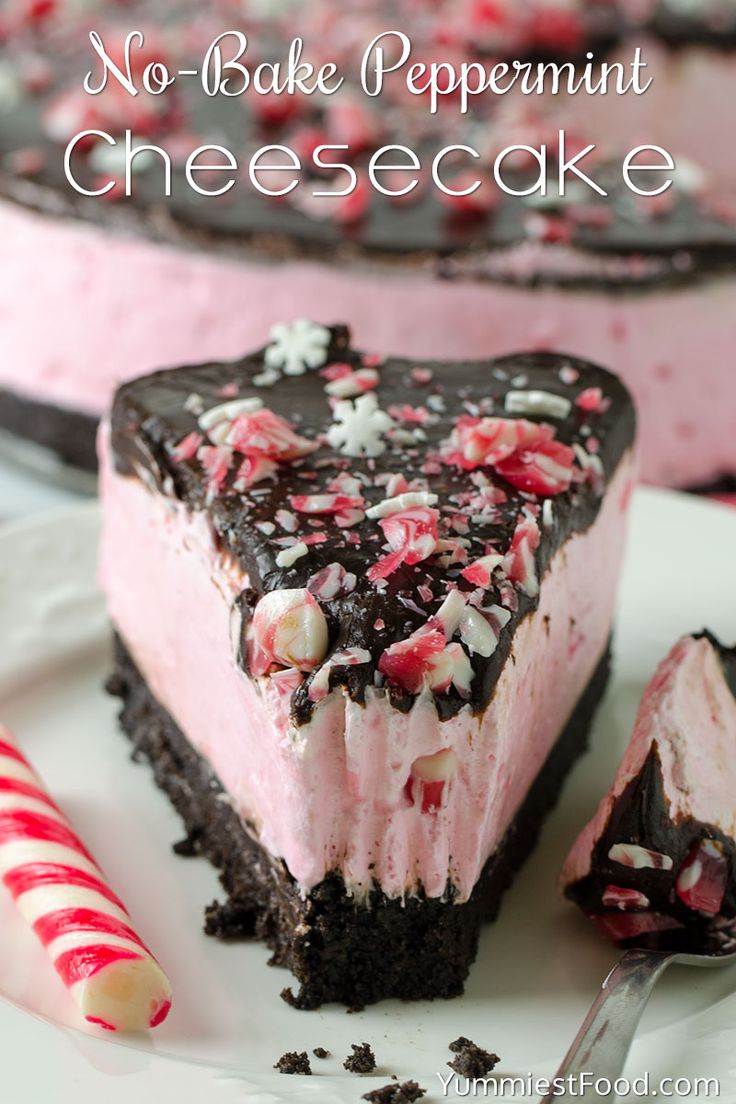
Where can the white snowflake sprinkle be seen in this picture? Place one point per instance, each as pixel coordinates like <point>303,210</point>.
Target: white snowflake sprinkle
<point>297,346</point>
<point>359,427</point>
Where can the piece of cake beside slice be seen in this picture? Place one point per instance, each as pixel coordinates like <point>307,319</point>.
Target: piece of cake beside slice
<point>363,611</point>
<point>656,865</point>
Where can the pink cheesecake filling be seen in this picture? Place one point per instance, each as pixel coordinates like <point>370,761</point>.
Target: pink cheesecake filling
<point>352,790</point>
<point>164,306</point>
<point>689,712</point>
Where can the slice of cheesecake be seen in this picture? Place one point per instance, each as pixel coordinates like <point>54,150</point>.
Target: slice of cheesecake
<point>363,611</point>
<point>655,866</point>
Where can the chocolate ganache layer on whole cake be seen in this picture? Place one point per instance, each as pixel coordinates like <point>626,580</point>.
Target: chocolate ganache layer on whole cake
<point>642,284</point>
<point>364,607</point>
<point>619,240</point>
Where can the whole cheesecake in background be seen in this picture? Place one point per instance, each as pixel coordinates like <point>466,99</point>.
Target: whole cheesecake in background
<point>656,864</point>
<point>94,291</point>
<point>363,611</point>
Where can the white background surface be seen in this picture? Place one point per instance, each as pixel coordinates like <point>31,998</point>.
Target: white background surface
<point>24,493</point>
<point>538,967</point>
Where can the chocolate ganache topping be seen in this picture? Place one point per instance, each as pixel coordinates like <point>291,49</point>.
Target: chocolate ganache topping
<point>622,239</point>
<point>405,512</point>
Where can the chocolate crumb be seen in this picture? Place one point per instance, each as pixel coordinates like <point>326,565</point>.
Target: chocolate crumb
<point>362,1060</point>
<point>406,1093</point>
<point>472,1061</point>
<point>320,1052</point>
<point>190,845</point>
<point>293,1062</point>
<point>228,920</point>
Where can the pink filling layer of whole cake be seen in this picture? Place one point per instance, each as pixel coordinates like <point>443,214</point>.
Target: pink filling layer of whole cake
<point>689,713</point>
<point>106,308</point>
<point>332,794</point>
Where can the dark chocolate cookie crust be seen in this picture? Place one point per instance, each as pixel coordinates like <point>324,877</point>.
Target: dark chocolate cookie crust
<point>337,950</point>
<point>69,434</point>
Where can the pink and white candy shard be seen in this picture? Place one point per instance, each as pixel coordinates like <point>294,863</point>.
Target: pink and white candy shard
<point>62,893</point>
<point>661,843</point>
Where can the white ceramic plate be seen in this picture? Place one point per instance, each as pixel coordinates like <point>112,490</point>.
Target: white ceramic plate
<point>538,968</point>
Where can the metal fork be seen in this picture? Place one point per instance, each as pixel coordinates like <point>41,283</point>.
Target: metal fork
<point>603,1042</point>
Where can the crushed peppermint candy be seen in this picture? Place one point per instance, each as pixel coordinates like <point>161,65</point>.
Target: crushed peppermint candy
<point>289,522</point>
<point>592,468</point>
<point>703,878</point>
<point>354,384</point>
<point>297,346</point>
<point>194,404</point>
<point>411,536</point>
<point>288,628</point>
<point>523,453</point>
<point>430,774</point>
<point>267,378</point>
<point>407,500</point>
<point>289,556</point>
<point>216,461</point>
<point>285,681</point>
<point>347,518</point>
<point>331,582</point>
<point>254,469</point>
<point>188,447</point>
<point>412,415</point>
<point>325,503</point>
<point>228,390</point>
<point>480,631</point>
<point>344,483</point>
<point>426,659</point>
<point>639,858</point>
<point>480,572</point>
<point>359,427</point>
<point>319,687</point>
<point>625,899</point>
<point>450,613</point>
<point>592,402</point>
<point>519,561</point>
<point>543,404</point>
<point>632,925</point>
<point>217,421</point>
<point>267,434</point>
<point>262,438</point>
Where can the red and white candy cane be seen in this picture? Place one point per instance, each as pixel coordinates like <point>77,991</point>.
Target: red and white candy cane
<point>62,893</point>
